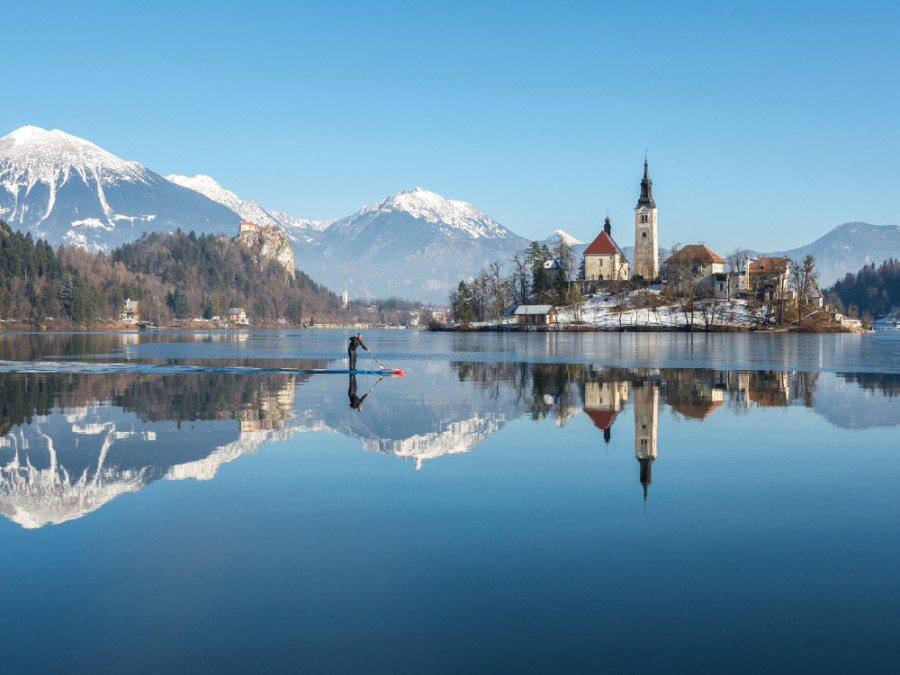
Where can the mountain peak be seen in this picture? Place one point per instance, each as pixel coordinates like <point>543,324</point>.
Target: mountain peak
<point>454,217</point>
<point>561,235</point>
<point>29,138</point>
<point>25,134</point>
<point>44,154</point>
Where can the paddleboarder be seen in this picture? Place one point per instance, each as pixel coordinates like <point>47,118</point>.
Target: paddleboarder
<point>355,341</point>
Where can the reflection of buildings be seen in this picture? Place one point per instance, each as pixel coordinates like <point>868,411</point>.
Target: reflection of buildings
<point>267,412</point>
<point>646,411</point>
<point>603,399</point>
<point>695,393</point>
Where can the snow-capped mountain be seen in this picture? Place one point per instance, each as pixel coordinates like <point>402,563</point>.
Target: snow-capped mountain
<point>435,241</point>
<point>69,191</point>
<point>297,229</point>
<point>452,219</point>
<point>848,248</point>
<point>414,244</point>
<point>568,239</point>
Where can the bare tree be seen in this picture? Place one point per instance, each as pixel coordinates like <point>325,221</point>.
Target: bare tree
<point>803,281</point>
<point>496,292</point>
<point>576,303</point>
<point>736,260</point>
<point>520,278</point>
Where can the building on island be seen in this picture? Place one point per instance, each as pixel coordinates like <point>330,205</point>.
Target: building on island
<point>769,277</point>
<point>646,237</point>
<point>553,268</point>
<point>535,315</point>
<point>604,260</point>
<point>695,266</point>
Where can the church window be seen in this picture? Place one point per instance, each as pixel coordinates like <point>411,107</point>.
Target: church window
<point>644,235</point>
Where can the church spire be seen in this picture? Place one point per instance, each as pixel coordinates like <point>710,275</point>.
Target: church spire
<point>646,189</point>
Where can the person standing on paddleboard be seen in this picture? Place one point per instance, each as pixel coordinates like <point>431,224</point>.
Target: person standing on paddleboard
<point>355,341</point>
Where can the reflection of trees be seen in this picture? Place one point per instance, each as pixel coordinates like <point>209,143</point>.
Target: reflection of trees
<point>13,348</point>
<point>542,389</point>
<point>152,397</point>
<point>24,395</point>
<point>887,384</point>
<point>72,442</point>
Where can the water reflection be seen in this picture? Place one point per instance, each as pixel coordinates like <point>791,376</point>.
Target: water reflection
<point>71,442</point>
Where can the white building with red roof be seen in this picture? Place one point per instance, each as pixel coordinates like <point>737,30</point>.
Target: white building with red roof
<point>604,260</point>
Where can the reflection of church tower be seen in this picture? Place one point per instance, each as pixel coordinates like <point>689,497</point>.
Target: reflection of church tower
<point>646,239</point>
<point>646,405</point>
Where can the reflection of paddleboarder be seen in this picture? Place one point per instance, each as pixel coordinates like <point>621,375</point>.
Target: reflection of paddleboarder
<point>355,341</point>
<point>355,401</point>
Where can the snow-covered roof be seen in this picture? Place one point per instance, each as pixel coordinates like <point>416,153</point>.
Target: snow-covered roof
<point>533,309</point>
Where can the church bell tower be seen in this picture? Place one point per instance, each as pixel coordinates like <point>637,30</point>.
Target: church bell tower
<point>646,239</point>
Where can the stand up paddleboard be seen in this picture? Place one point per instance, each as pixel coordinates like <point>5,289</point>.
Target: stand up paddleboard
<point>371,371</point>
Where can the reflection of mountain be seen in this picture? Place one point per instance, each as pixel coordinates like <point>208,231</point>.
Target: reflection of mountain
<point>72,442</point>
<point>872,403</point>
<point>66,461</point>
<point>437,416</point>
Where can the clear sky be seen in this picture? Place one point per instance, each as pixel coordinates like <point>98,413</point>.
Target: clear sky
<point>766,123</point>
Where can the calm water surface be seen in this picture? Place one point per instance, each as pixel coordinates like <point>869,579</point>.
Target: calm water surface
<point>513,503</point>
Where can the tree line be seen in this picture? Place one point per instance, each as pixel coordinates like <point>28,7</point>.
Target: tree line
<point>486,295</point>
<point>172,276</point>
<point>871,292</point>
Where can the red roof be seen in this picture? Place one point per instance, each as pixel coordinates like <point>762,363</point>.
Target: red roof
<point>602,419</point>
<point>603,245</point>
<point>769,265</point>
<point>694,253</point>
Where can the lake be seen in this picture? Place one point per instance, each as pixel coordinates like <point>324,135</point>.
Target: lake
<point>191,502</point>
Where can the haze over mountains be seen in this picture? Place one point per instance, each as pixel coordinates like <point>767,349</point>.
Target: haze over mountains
<point>414,244</point>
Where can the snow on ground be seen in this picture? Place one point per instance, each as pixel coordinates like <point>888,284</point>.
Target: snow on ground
<point>648,309</point>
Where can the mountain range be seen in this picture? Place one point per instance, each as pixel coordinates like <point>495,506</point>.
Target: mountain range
<point>414,244</point>
<point>848,248</point>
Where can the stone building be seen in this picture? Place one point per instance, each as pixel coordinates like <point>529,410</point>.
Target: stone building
<point>693,266</point>
<point>604,260</point>
<point>646,237</point>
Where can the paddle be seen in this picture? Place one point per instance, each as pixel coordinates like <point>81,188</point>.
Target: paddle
<point>396,371</point>
<point>376,360</point>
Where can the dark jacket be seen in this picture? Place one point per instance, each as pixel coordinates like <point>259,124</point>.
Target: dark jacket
<point>356,342</point>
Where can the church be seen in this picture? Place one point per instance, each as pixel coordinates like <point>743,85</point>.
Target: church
<point>604,260</point>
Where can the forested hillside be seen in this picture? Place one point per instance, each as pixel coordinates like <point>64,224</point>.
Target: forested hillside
<point>873,291</point>
<point>173,276</point>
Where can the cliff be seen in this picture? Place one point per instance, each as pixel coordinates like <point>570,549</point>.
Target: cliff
<point>268,245</point>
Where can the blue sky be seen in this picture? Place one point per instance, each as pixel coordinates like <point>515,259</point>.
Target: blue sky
<point>767,124</point>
